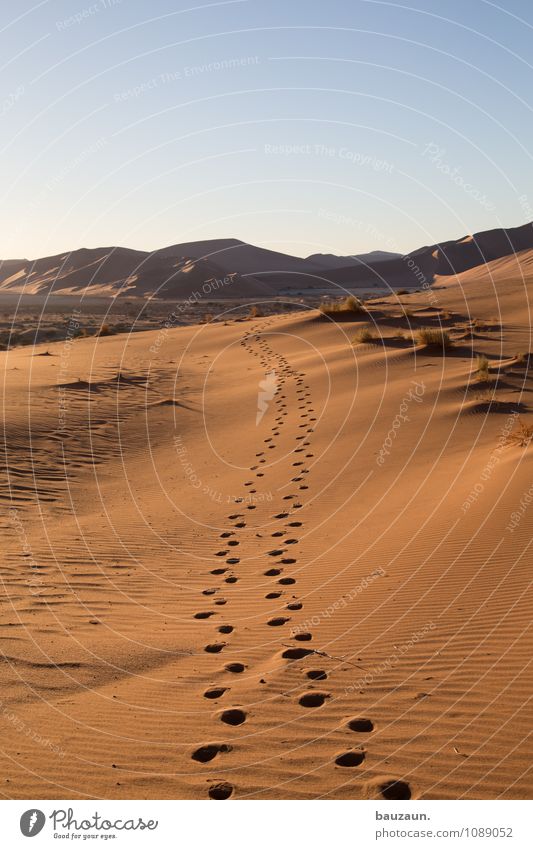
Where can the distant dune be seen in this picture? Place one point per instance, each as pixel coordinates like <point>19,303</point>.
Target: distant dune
<point>230,268</point>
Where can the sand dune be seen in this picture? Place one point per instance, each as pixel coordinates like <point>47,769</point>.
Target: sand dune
<point>259,560</point>
<point>230,268</point>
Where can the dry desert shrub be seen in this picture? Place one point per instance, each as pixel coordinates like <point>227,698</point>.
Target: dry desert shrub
<point>106,330</point>
<point>521,435</point>
<point>482,367</point>
<point>350,304</point>
<point>433,337</point>
<point>364,336</point>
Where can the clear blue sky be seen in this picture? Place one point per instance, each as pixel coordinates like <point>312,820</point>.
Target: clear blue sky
<point>343,126</point>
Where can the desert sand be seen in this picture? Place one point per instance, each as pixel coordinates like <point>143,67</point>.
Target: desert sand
<point>262,560</point>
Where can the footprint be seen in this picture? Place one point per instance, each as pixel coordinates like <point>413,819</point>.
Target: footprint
<point>286,582</point>
<point>361,724</point>
<point>206,753</point>
<point>214,692</point>
<point>236,668</point>
<point>313,699</point>
<point>281,516</point>
<point>395,789</point>
<point>305,637</point>
<point>276,552</point>
<point>221,601</point>
<point>278,620</point>
<point>231,580</point>
<point>271,572</point>
<point>204,614</point>
<point>295,605</point>
<point>317,674</point>
<point>225,629</point>
<point>272,595</point>
<point>296,654</point>
<point>232,716</point>
<point>288,560</point>
<point>222,790</point>
<point>350,759</point>
<point>214,648</point>
<point>233,560</point>
<point>291,541</point>
<point>218,571</point>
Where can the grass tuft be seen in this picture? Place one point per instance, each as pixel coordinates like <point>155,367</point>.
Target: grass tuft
<point>521,435</point>
<point>432,337</point>
<point>350,304</point>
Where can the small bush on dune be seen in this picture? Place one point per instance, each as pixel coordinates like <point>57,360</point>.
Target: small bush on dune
<point>106,330</point>
<point>350,304</point>
<point>364,337</point>
<point>482,367</point>
<point>521,435</point>
<point>433,337</point>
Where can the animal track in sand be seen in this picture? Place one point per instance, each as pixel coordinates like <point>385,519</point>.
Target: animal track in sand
<point>227,534</point>
<point>287,560</point>
<point>272,595</point>
<point>313,699</point>
<point>277,534</point>
<point>276,552</point>
<point>218,571</point>
<point>204,614</point>
<point>294,525</point>
<point>220,553</point>
<point>396,789</point>
<point>291,541</point>
<point>233,543</point>
<point>221,601</point>
<point>209,591</point>
<point>231,580</point>
<point>286,582</point>
<point>281,516</point>
<point>207,752</point>
<point>278,620</point>
<point>232,716</point>
<point>225,629</point>
<point>295,605</point>
<point>240,525</point>
<point>361,724</point>
<point>304,637</point>
<point>348,759</point>
<point>296,654</point>
<point>222,790</point>
<point>235,667</point>
<point>317,674</point>
<point>214,648</point>
<point>270,573</point>
<point>215,692</point>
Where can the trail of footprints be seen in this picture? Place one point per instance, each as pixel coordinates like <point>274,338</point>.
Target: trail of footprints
<point>283,555</point>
